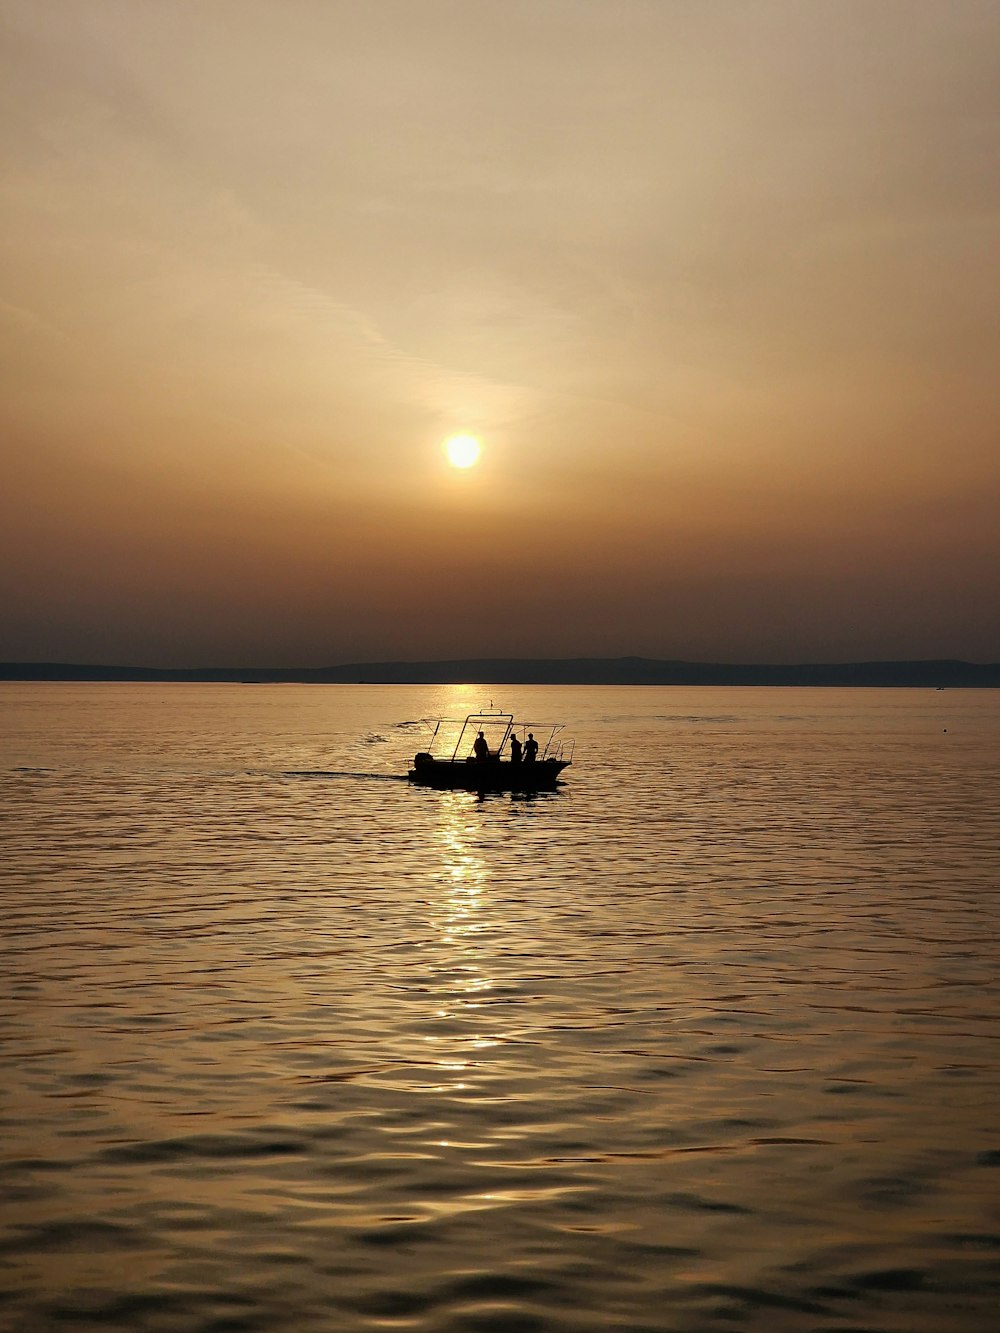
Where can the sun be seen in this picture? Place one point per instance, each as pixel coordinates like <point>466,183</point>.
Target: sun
<point>463,450</point>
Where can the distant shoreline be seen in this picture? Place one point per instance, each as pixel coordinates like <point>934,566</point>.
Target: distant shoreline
<point>934,674</point>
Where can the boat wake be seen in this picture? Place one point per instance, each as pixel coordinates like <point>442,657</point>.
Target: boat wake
<point>321,774</point>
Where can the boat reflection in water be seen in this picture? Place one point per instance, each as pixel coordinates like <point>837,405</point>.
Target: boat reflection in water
<point>490,751</point>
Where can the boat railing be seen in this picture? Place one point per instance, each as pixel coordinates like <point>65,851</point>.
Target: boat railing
<point>561,749</point>
<point>557,746</point>
<point>553,745</point>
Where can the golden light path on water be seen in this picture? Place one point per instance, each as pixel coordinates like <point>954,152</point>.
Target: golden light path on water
<point>460,908</point>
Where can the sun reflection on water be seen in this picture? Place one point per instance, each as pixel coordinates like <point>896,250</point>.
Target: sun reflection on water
<point>464,873</point>
<point>463,920</point>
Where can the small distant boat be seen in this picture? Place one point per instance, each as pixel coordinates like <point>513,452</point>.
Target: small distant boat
<point>481,754</point>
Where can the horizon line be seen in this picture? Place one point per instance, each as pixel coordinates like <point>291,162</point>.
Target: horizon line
<point>628,670</point>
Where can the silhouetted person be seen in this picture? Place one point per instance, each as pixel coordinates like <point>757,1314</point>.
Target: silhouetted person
<point>515,750</point>
<point>530,749</point>
<point>480,747</point>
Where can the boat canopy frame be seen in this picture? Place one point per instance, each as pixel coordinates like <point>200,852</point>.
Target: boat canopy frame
<point>492,721</point>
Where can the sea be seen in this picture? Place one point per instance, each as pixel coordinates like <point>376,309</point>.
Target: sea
<point>705,1039</point>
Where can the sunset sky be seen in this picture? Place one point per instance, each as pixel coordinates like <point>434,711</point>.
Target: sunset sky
<point>715,284</point>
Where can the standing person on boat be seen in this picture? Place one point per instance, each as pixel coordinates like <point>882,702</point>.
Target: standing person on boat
<point>480,747</point>
<point>530,749</point>
<point>515,749</point>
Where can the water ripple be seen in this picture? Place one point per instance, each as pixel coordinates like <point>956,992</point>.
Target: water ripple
<point>706,1040</point>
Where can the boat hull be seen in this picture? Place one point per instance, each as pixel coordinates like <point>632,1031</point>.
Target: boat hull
<point>486,775</point>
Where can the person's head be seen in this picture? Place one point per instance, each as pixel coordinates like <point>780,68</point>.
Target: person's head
<point>480,735</point>
<point>531,735</point>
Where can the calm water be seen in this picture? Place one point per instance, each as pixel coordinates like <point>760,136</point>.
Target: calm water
<point>705,1040</point>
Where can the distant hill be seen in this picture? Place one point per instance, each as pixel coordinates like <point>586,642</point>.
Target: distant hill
<point>542,671</point>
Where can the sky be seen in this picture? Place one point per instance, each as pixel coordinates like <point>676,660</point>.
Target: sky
<point>715,284</point>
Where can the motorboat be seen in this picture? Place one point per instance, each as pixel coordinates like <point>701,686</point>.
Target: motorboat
<point>491,751</point>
